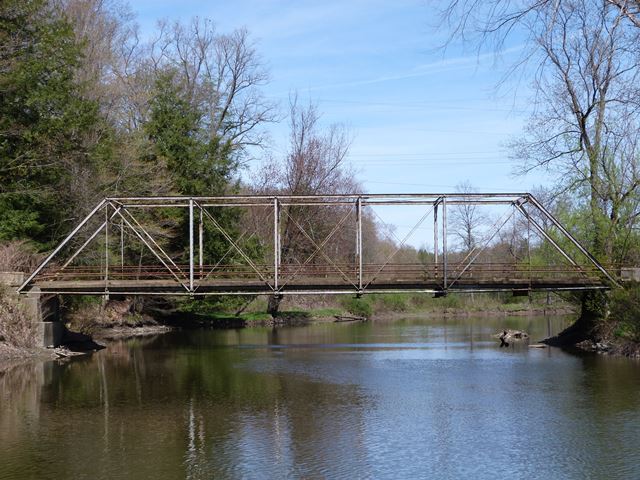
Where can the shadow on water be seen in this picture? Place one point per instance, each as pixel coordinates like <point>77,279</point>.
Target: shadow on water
<point>368,400</point>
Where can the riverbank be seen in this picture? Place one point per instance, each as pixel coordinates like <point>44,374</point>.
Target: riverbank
<point>119,318</point>
<point>610,338</point>
<point>618,334</point>
<point>121,332</point>
<point>11,357</point>
<point>611,346</point>
<point>17,332</point>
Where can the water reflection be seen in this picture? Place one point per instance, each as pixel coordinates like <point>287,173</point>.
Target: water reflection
<point>407,399</point>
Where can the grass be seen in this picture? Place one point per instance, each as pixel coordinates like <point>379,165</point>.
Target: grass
<point>248,316</point>
<point>325,312</point>
<point>416,303</point>
<point>380,304</point>
<point>625,310</point>
<point>358,306</point>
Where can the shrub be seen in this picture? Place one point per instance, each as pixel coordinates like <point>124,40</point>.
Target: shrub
<point>357,306</point>
<point>212,305</point>
<point>18,256</point>
<point>450,301</point>
<point>625,309</point>
<point>16,329</point>
<point>394,302</point>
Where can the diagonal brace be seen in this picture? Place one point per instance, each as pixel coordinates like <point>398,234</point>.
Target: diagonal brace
<point>88,241</point>
<point>167,257</point>
<point>61,246</point>
<point>235,245</point>
<point>319,250</point>
<point>142,239</point>
<point>404,240</point>
<point>494,232</point>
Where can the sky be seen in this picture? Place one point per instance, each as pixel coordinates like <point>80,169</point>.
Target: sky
<point>422,119</point>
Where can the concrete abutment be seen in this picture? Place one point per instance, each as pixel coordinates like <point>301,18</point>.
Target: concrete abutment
<point>41,309</point>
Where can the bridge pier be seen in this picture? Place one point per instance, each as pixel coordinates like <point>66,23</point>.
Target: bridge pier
<point>41,309</point>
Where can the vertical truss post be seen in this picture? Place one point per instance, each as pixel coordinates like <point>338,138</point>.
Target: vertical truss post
<point>106,247</point>
<point>513,237</point>
<point>122,244</point>
<point>359,241</point>
<point>201,244</point>
<point>529,251</point>
<point>444,242</point>
<point>276,243</point>
<point>191,245</point>
<point>435,237</point>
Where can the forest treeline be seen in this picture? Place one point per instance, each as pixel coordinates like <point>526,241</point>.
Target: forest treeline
<point>90,109</point>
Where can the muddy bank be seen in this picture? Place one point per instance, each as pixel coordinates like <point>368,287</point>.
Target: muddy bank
<point>601,344</point>
<point>73,343</point>
<point>11,357</point>
<point>614,346</point>
<point>586,335</point>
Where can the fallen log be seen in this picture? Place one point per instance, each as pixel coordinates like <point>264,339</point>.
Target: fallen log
<point>508,336</point>
<point>349,318</point>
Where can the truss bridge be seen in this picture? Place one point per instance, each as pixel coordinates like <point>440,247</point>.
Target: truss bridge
<point>319,244</point>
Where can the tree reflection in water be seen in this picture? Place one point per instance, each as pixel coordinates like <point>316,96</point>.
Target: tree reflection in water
<point>326,401</point>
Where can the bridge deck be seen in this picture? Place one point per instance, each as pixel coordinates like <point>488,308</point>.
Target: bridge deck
<point>241,279</point>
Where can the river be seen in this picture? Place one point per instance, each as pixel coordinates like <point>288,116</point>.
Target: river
<point>404,399</point>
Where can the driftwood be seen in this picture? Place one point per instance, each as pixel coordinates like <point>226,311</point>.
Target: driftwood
<point>508,336</point>
<point>348,318</point>
<point>62,352</point>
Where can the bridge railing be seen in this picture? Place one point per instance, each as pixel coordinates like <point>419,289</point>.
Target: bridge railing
<point>321,272</point>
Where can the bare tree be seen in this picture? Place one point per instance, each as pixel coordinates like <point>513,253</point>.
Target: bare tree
<point>628,8</point>
<point>315,164</point>
<point>586,125</point>
<point>467,219</point>
<point>587,116</point>
<point>222,75</point>
<point>107,31</point>
<point>492,22</point>
<point>316,161</point>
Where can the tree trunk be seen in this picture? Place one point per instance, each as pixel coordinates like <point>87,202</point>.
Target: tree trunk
<point>274,305</point>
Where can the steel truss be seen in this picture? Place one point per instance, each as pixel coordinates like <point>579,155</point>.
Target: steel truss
<point>194,279</point>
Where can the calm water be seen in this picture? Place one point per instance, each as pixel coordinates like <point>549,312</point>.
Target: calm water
<point>408,399</point>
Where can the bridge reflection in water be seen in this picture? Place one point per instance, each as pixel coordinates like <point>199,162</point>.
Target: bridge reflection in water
<point>121,247</point>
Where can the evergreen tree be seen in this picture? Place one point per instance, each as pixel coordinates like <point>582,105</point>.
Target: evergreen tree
<point>197,162</point>
<point>43,121</point>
